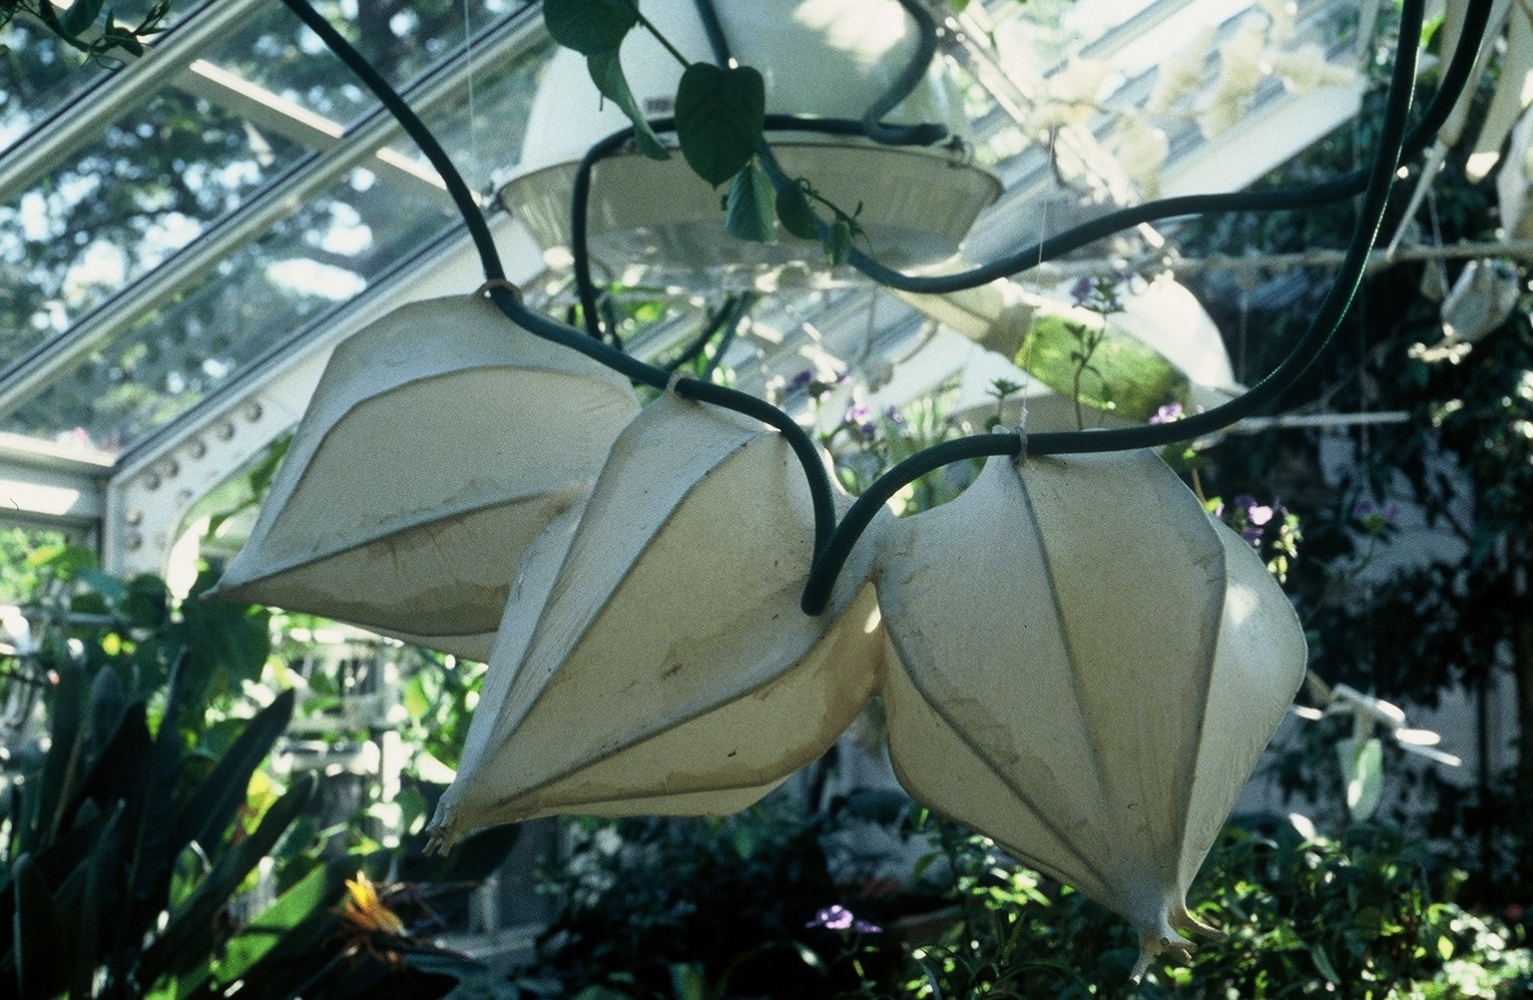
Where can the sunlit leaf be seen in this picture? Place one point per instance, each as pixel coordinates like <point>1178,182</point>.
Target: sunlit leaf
<point>607,73</point>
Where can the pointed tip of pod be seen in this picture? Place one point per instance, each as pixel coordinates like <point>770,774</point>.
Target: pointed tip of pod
<point>1161,940</point>
<point>444,830</point>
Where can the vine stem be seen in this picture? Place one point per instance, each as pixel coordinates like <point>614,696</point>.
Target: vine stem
<point>660,37</point>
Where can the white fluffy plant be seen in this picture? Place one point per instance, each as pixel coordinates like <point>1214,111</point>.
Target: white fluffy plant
<point>1084,666</point>
<point>653,658</point>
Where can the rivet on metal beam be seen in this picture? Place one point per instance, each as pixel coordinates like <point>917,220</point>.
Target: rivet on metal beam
<point>252,411</point>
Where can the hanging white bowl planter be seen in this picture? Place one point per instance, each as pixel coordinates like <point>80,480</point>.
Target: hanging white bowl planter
<point>1085,667</point>
<point>440,441</point>
<point>656,222</point>
<point>653,658</point>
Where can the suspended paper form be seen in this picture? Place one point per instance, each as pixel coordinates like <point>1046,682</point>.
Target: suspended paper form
<point>440,441</point>
<point>653,658</point>
<point>1085,667</point>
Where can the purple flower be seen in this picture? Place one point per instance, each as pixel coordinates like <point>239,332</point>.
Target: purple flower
<point>858,413</point>
<point>1252,534</point>
<point>839,918</point>
<point>800,381</point>
<point>1375,519</point>
<point>1255,513</point>
<point>1081,290</point>
<point>892,414</point>
<point>1168,413</point>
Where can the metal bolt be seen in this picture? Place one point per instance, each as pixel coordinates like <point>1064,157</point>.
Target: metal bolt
<point>198,448</point>
<point>152,481</point>
<point>253,411</point>
<point>224,430</point>
<point>135,541</point>
<point>135,516</point>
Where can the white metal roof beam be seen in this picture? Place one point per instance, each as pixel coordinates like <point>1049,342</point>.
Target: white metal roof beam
<point>87,115</point>
<point>44,483</point>
<point>35,372</point>
<point>275,113</point>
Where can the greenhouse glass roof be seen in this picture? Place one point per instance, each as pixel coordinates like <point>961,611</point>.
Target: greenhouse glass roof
<point>185,236</point>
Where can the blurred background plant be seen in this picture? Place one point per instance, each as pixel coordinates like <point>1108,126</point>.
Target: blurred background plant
<point>150,841</point>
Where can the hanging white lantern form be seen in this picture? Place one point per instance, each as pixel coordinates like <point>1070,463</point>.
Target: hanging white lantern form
<point>657,222</point>
<point>1084,666</point>
<point>440,441</point>
<point>1160,347</point>
<point>653,658</point>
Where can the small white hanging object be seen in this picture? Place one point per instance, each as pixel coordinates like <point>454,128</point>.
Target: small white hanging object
<point>441,440</point>
<point>653,658</point>
<point>1084,666</point>
<point>1480,301</point>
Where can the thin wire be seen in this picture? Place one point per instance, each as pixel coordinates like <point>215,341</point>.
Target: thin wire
<point>476,166</point>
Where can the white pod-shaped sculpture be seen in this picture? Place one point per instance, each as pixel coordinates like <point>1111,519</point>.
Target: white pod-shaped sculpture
<point>1085,667</point>
<point>440,441</point>
<point>653,658</point>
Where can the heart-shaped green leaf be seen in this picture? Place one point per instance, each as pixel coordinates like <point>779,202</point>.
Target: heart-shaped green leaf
<point>607,73</point>
<point>749,208</point>
<point>794,212</point>
<point>719,116</point>
<point>590,26</point>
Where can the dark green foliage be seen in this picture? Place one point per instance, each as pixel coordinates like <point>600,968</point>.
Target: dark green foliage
<point>92,846</point>
<point>707,908</point>
<point>1462,462</point>
<point>732,897</point>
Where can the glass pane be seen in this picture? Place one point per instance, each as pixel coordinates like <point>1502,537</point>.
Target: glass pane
<point>483,130</point>
<point>325,253</point>
<point>39,74</point>
<point>156,180</point>
<point>401,39</point>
